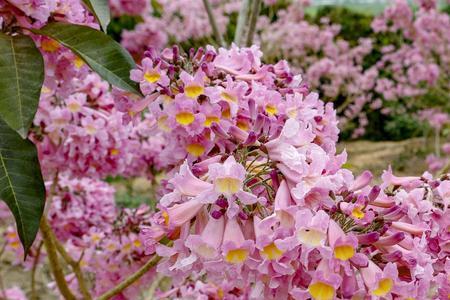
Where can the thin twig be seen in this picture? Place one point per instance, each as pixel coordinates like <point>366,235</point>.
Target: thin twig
<point>213,23</point>
<point>2,287</point>
<point>131,279</point>
<point>241,22</point>
<point>55,267</point>
<point>33,271</point>
<point>2,250</point>
<point>252,24</point>
<point>445,169</point>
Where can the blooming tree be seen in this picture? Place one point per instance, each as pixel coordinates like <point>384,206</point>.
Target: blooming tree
<point>255,202</point>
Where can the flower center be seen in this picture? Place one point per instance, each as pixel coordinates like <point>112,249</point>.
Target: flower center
<point>242,125</point>
<point>358,213</point>
<point>90,129</point>
<point>271,109</point>
<point>78,62</point>
<point>211,119</point>
<point>228,185</point>
<point>321,291</point>
<point>226,114</point>
<point>152,77</point>
<point>162,124</point>
<point>193,91</point>
<point>384,287</point>
<point>14,245</point>
<point>271,252</point>
<point>50,45</point>
<point>236,256</point>
<point>206,251</point>
<point>114,152</point>
<point>195,149</point>
<point>165,215</point>
<point>311,237</point>
<point>344,252</point>
<point>74,107</point>
<point>184,118</point>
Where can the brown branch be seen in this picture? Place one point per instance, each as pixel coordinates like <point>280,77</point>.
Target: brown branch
<point>55,266</point>
<point>75,266</point>
<point>213,23</point>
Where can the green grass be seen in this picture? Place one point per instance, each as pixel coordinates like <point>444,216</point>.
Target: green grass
<point>365,8</point>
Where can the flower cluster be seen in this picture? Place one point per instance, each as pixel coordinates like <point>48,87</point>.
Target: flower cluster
<point>207,104</point>
<point>111,252</point>
<point>36,13</point>
<point>81,139</point>
<point>178,21</point>
<point>86,221</point>
<point>408,67</point>
<point>78,130</point>
<point>260,205</point>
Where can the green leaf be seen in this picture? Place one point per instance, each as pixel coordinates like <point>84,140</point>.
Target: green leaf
<point>21,183</point>
<point>100,9</point>
<point>104,55</point>
<point>21,78</point>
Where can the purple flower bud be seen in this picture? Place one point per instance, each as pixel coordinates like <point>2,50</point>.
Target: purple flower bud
<point>191,53</point>
<point>396,214</point>
<point>433,245</point>
<point>361,181</point>
<point>171,71</point>
<point>333,209</point>
<point>251,139</point>
<point>218,130</point>
<point>222,202</point>
<point>385,228</point>
<point>238,133</point>
<point>391,240</point>
<point>217,214</point>
<point>176,53</point>
<point>274,177</point>
<point>156,61</point>
<point>199,54</point>
<point>374,192</point>
<point>368,238</point>
<point>243,215</point>
<point>205,68</point>
<point>393,256</point>
<point>434,184</point>
<point>260,119</point>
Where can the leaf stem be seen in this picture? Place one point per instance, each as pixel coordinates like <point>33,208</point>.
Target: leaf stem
<point>213,23</point>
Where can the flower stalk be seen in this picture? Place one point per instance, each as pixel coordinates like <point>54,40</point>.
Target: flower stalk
<point>213,23</point>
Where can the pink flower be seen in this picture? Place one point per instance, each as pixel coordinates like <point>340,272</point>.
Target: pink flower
<point>193,85</point>
<point>235,248</point>
<point>380,283</point>
<point>208,243</point>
